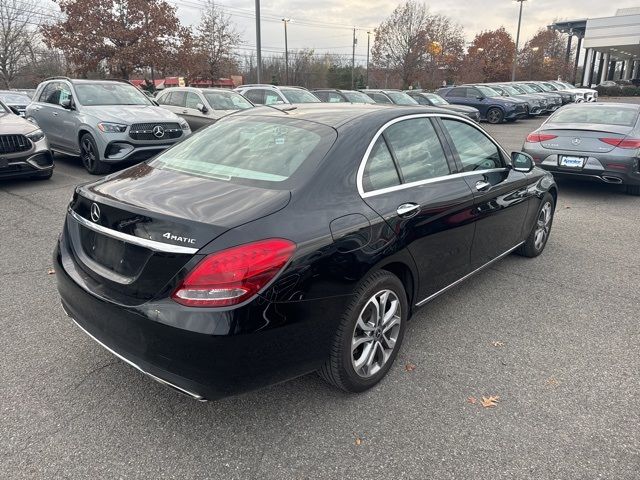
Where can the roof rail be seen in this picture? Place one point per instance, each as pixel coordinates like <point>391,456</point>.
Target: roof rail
<point>59,77</point>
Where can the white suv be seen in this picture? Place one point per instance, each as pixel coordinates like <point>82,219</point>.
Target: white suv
<point>259,94</point>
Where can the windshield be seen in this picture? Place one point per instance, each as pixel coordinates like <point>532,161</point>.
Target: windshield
<point>249,149</point>
<point>568,85</point>
<point>535,87</point>
<point>401,98</point>
<point>547,87</point>
<point>295,95</point>
<point>358,97</point>
<point>624,117</point>
<point>488,92</point>
<point>110,94</point>
<point>510,90</point>
<point>436,99</point>
<point>226,100</point>
<point>15,98</point>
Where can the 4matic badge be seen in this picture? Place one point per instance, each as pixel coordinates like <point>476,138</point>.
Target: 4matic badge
<point>177,238</point>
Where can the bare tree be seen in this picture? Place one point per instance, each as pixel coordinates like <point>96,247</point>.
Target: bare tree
<point>217,37</point>
<point>18,19</point>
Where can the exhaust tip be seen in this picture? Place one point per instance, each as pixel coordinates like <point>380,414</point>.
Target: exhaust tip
<point>609,179</point>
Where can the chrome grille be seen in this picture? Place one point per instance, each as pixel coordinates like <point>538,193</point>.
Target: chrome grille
<point>145,131</point>
<point>14,143</point>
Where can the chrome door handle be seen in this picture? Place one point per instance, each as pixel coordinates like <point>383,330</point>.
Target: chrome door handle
<point>481,185</point>
<point>55,114</point>
<point>408,210</point>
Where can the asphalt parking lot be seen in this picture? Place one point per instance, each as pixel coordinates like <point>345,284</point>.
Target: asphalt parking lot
<point>555,338</point>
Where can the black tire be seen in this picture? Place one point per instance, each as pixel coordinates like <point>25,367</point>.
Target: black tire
<point>339,369</point>
<point>91,157</point>
<point>495,115</point>
<point>532,247</point>
<point>633,189</point>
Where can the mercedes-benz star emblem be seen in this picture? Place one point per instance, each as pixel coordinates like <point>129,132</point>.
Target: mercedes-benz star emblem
<point>576,141</point>
<point>158,131</point>
<point>95,212</point>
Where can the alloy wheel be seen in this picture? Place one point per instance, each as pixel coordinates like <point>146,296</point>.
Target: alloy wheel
<point>543,225</point>
<point>88,154</point>
<point>376,333</point>
<point>494,116</point>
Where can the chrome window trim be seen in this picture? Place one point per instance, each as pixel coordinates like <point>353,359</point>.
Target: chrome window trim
<point>125,237</point>
<point>402,186</point>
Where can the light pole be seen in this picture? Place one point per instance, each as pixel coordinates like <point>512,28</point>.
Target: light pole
<point>533,59</point>
<point>286,51</point>
<point>258,43</point>
<point>368,42</point>
<point>515,58</point>
<point>353,58</point>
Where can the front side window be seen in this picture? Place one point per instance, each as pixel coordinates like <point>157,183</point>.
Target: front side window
<point>163,99</point>
<point>421,100</point>
<point>55,93</point>
<point>417,150</point>
<point>334,97</point>
<point>220,100</point>
<point>380,171</point>
<point>193,100</point>
<point>110,94</point>
<point>272,98</point>
<point>487,92</point>
<point>178,99</point>
<point>296,95</point>
<point>457,92</point>
<point>379,97</point>
<point>475,150</point>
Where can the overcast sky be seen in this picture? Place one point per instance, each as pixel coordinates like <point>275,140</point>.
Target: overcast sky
<point>336,17</point>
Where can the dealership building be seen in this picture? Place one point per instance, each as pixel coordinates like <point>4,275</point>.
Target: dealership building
<point>612,46</point>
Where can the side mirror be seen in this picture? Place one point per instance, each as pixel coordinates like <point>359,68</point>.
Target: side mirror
<point>480,97</point>
<point>522,162</point>
<point>66,103</point>
<point>202,108</point>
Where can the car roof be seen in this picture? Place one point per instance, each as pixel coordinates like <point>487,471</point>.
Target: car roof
<point>337,114</point>
<point>613,106</point>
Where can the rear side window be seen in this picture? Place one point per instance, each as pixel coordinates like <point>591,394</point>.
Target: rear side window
<point>333,97</point>
<point>475,150</point>
<point>457,92</point>
<point>272,98</point>
<point>163,99</point>
<point>255,96</point>
<point>249,150</point>
<point>379,97</point>
<point>417,150</point>
<point>178,99</point>
<point>380,171</point>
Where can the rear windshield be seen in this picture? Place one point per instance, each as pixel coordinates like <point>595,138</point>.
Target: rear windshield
<point>624,117</point>
<point>226,100</point>
<point>401,98</point>
<point>254,150</point>
<point>110,94</point>
<point>295,95</point>
<point>436,99</point>
<point>358,97</point>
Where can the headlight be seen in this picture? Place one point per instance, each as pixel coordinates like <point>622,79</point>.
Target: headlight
<point>111,127</point>
<point>184,125</point>
<point>35,136</point>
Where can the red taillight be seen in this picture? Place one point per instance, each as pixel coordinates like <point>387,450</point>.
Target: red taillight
<point>231,276</point>
<point>540,137</point>
<point>629,143</point>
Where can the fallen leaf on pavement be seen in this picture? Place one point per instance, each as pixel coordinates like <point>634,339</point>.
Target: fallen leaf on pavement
<point>498,344</point>
<point>409,367</point>
<point>491,401</point>
<point>358,441</point>
<point>472,400</point>
<point>553,382</point>
<point>51,271</point>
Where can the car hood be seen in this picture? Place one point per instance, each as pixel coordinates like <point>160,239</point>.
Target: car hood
<point>511,100</point>
<point>580,90</point>
<point>130,113</point>
<point>460,108</point>
<point>12,124</point>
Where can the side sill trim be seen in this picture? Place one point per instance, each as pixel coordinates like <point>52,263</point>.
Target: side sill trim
<point>141,242</point>
<point>460,280</point>
<point>195,396</point>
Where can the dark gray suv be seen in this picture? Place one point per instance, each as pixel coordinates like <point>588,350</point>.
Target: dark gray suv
<point>103,121</point>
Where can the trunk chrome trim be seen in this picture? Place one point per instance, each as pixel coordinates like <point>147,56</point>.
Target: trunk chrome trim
<point>125,237</point>
<point>460,280</point>
<point>195,396</point>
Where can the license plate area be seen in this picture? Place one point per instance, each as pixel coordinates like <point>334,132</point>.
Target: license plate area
<point>571,161</point>
<point>120,257</point>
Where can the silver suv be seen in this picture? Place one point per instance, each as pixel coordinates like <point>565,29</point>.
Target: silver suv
<point>262,94</point>
<point>103,121</point>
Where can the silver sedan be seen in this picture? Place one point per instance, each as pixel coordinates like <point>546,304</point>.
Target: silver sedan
<point>592,141</point>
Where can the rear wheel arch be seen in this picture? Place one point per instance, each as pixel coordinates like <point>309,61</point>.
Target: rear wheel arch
<point>554,193</point>
<point>406,276</point>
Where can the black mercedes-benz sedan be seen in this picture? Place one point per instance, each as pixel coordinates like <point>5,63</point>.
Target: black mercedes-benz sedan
<point>275,243</point>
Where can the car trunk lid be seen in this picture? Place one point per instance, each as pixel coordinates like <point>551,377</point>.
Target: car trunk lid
<point>133,232</point>
<point>586,139</point>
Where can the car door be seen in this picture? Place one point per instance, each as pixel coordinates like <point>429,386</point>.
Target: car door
<point>194,115</point>
<point>407,179</point>
<point>502,196</point>
<point>42,114</point>
<point>53,118</point>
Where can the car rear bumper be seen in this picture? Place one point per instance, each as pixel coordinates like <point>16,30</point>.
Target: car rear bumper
<point>204,353</point>
<point>607,169</point>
